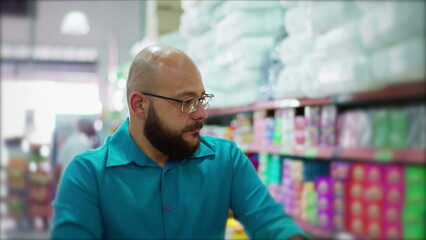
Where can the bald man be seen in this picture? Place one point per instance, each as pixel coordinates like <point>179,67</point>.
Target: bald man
<point>156,177</point>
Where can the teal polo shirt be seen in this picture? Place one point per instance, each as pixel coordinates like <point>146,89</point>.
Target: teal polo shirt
<point>118,192</point>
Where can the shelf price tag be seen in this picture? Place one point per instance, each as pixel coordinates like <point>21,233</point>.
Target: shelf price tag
<point>384,155</point>
<point>286,151</point>
<point>311,152</point>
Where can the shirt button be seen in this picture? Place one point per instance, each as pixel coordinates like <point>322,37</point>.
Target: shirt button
<point>168,208</point>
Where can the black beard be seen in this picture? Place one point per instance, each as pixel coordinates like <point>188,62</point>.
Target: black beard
<point>168,141</point>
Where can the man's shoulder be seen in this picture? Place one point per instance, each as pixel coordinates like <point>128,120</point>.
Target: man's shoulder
<point>96,156</point>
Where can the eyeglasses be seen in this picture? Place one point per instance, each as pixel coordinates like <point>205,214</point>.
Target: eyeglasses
<point>188,105</point>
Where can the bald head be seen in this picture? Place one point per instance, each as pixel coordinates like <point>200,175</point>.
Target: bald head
<point>146,66</point>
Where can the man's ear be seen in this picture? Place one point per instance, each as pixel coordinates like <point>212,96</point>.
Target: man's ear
<point>136,103</point>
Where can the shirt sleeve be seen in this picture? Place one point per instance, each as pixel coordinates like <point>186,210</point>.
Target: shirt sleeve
<point>76,207</point>
<point>254,207</point>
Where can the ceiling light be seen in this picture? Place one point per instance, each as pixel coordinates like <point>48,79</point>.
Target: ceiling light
<point>75,23</point>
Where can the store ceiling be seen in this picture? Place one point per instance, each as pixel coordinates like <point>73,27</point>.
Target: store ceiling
<point>117,24</point>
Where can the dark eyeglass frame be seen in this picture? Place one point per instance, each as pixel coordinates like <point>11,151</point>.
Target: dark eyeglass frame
<point>182,101</point>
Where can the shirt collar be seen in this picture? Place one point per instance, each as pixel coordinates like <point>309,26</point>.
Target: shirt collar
<point>122,149</point>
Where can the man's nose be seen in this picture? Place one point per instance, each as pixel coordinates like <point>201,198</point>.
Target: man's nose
<point>200,113</point>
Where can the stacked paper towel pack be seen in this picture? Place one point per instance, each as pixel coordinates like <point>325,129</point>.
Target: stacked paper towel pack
<point>331,47</point>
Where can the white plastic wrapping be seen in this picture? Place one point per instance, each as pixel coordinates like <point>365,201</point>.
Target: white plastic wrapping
<point>233,6</point>
<point>248,23</point>
<point>346,75</point>
<point>309,68</point>
<point>392,22</point>
<point>401,62</point>
<point>325,15</point>
<point>295,21</point>
<point>295,48</point>
<point>289,83</point>
<point>194,21</point>
<point>340,41</point>
<point>246,51</point>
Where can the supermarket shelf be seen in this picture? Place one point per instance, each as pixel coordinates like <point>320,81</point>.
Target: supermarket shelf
<point>395,91</point>
<point>413,156</point>
<point>416,156</point>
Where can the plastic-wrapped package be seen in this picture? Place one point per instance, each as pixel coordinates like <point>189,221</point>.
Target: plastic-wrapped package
<point>289,4</point>
<point>248,23</point>
<point>202,47</point>
<point>288,84</point>
<point>240,97</point>
<point>213,76</point>
<point>407,59</point>
<point>328,131</point>
<point>309,67</point>
<point>194,21</point>
<point>295,21</point>
<point>188,5</point>
<point>398,128</point>
<point>299,130</point>
<point>400,62</point>
<point>237,77</point>
<point>346,133</point>
<point>380,118</point>
<point>248,51</point>
<point>340,41</point>
<point>325,15</point>
<point>391,22</point>
<point>233,6</point>
<point>365,6</point>
<point>295,48</point>
<point>365,128</point>
<point>417,127</point>
<point>346,75</point>
<point>313,125</point>
<point>288,127</point>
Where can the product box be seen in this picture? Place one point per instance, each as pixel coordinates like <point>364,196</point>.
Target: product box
<point>398,121</point>
<point>313,125</point>
<point>356,208</point>
<point>338,221</point>
<point>355,191</point>
<point>415,195</point>
<point>392,214</point>
<point>374,173</point>
<point>413,222</point>
<point>339,188</point>
<point>323,186</point>
<point>299,130</point>
<point>393,232</point>
<point>328,132</point>
<point>373,229</point>
<point>373,193</point>
<point>340,170</point>
<point>394,194</point>
<point>374,212</point>
<point>325,203</point>
<point>325,220</point>
<point>394,175</point>
<point>356,226</point>
<point>338,205</point>
<point>358,173</point>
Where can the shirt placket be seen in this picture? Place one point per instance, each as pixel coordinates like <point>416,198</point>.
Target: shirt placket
<point>167,204</point>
